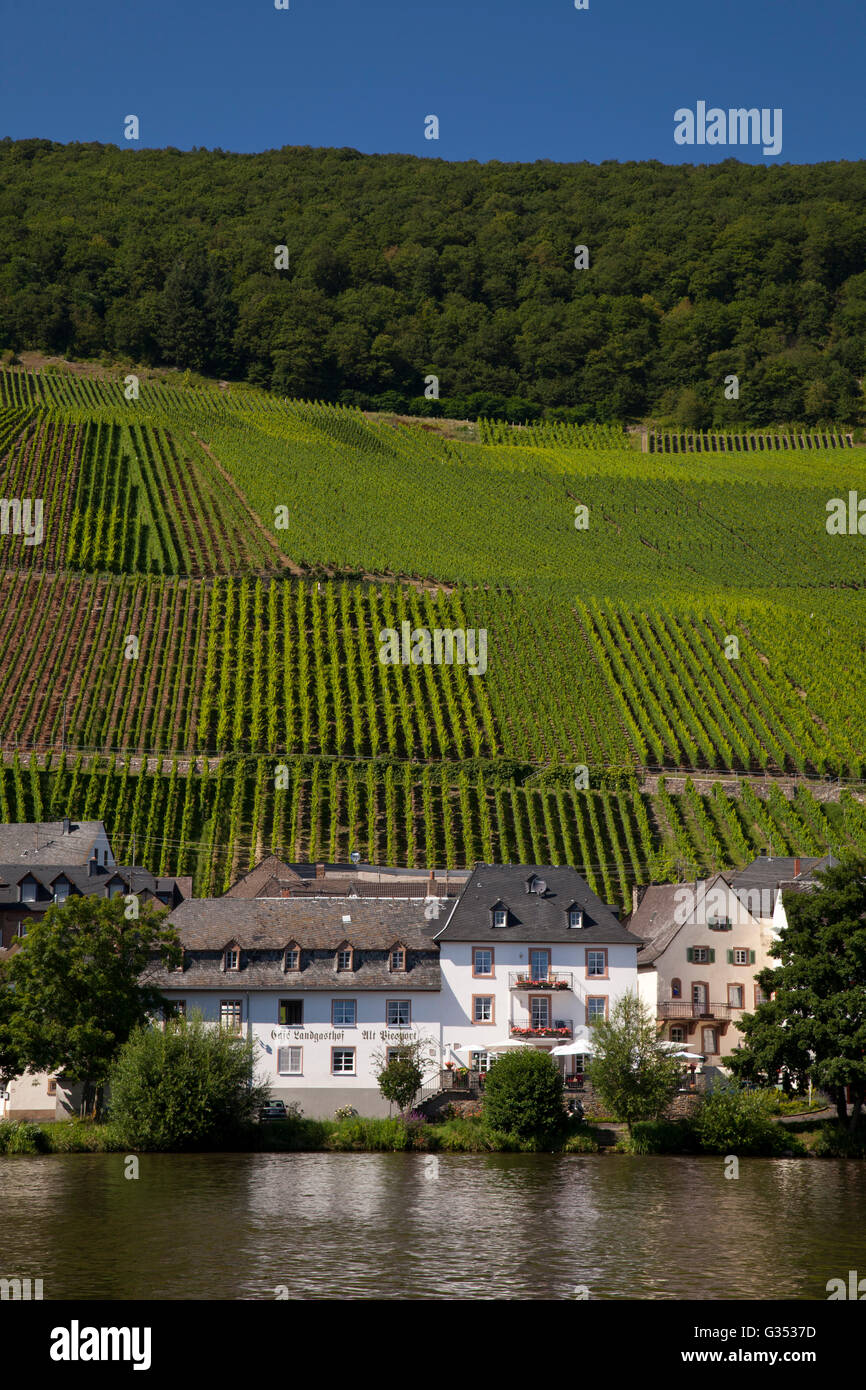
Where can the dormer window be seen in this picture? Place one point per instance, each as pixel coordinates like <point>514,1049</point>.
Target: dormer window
<point>179,968</point>
<point>345,957</point>
<point>292,959</point>
<point>398,958</point>
<point>500,916</point>
<point>575,917</point>
<point>27,889</point>
<point>61,890</point>
<point>232,958</point>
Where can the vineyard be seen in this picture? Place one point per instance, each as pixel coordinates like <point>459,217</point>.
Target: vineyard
<point>217,823</point>
<point>217,567</point>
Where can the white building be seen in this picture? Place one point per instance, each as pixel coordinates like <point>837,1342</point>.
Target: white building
<point>324,986</point>
<point>327,987</point>
<point>530,955</point>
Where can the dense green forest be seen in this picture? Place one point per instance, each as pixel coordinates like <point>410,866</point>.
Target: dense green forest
<point>401,268</point>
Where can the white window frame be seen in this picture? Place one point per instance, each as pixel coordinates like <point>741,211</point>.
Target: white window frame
<point>343,1071</point>
<point>340,1003</point>
<point>289,1070</point>
<point>596,974</point>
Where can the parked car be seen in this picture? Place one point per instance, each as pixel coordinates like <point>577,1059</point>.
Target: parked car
<point>274,1110</point>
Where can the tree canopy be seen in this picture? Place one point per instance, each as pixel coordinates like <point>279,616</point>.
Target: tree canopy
<point>400,267</point>
<point>630,1069</point>
<point>72,994</point>
<point>814,1020</point>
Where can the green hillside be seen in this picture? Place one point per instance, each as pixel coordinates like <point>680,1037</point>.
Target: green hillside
<point>256,548</point>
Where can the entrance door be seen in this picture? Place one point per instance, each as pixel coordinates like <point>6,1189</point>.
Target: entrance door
<point>699,999</point>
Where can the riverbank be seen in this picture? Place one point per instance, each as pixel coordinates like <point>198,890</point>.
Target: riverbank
<point>805,1137</point>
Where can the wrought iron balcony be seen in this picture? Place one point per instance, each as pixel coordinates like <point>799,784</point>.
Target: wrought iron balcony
<point>551,979</point>
<point>560,1028</point>
<point>692,1009</point>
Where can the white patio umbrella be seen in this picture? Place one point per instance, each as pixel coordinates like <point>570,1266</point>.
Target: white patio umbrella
<point>573,1049</point>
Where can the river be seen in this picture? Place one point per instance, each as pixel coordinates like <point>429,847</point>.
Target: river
<point>406,1226</point>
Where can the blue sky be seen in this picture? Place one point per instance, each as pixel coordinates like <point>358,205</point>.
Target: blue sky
<point>508,79</point>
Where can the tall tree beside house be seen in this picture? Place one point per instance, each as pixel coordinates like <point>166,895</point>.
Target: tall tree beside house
<point>400,1071</point>
<point>814,1020</point>
<point>632,1073</point>
<point>72,994</point>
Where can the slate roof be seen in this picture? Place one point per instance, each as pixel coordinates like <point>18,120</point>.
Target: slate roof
<point>45,842</point>
<point>656,917</point>
<point>765,872</point>
<point>86,884</point>
<point>273,878</point>
<point>266,875</point>
<point>531,916</point>
<point>263,928</point>
<point>655,920</point>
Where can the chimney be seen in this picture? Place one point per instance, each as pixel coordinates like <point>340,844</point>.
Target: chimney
<point>320,871</point>
<point>636,896</point>
<point>92,865</point>
<point>65,824</point>
<point>796,870</point>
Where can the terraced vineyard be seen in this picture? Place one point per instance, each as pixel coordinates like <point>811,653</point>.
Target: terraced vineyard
<point>218,566</point>
<point>215,823</point>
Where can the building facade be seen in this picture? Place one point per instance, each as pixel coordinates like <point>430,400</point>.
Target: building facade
<point>697,971</point>
<point>532,957</point>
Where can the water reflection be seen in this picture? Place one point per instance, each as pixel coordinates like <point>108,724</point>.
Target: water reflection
<point>365,1226</point>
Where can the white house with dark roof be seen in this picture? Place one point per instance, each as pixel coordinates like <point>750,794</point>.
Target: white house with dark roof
<point>324,986</point>
<point>529,956</point>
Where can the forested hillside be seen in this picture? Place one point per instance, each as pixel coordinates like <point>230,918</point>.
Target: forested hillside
<point>400,268</point>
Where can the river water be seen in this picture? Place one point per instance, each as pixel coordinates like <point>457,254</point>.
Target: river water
<point>403,1226</point>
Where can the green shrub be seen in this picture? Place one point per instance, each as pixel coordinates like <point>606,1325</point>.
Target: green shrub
<point>77,1136</point>
<point>733,1121</point>
<point>293,1135</point>
<point>184,1086</point>
<point>369,1135</point>
<point>582,1142</point>
<point>523,1096</point>
<point>662,1137</point>
<point>837,1141</point>
<point>466,1134</point>
<point>21,1137</point>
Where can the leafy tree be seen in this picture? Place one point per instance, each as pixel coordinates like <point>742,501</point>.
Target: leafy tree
<point>72,994</point>
<point>633,1074</point>
<point>523,1094</point>
<point>814,1020</point>
<point>399,1077</point>
<point>184,1085</point>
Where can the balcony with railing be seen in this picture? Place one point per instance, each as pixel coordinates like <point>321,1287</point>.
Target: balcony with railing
<point>558,1029</point>
<point>551,979</point>
<point>696,1008</point>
